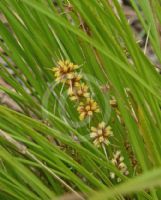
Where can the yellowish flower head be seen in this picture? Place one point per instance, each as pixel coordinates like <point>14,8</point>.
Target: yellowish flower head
<point>101,134</point>
<point>80,90</point>
<point>63,70</point>
<point>87,109</point>
<point>73,79</point>
<point>118,161</point>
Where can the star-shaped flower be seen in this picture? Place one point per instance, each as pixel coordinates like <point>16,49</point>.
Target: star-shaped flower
<point>101,134</point>
<point>80,90</point>
<point>64,70</point>
<point>87,109</point>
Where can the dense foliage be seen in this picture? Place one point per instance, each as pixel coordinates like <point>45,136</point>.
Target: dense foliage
<point>86,117</point>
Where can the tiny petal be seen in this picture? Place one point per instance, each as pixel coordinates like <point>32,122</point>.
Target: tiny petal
<point>99,132</point>
<point>93,134</point>
<point>90,113</point>
<point>93,129</point>
<point>102,125</point>
<point>112,175</point>
<point>96,143</point>
<point>82,116</point>
<point>101,139</point>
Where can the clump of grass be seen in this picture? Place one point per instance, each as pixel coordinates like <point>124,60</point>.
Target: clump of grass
<point>92,130</point>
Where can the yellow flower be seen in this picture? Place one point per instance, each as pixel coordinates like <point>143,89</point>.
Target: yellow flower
<point>87,108</point>
<point>101,134</point>
<point>80,90</point>
<point>73,79</point>
<point>64,70</point>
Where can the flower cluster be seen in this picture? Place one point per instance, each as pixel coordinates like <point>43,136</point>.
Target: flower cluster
<point>118,161</point>
<point>80,90</point>
<point>131,156</point>
<point>87,108</point>
<point>101,134</point>
<point>66,72</point>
